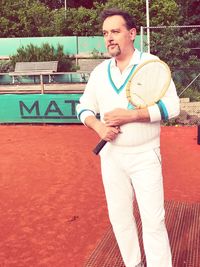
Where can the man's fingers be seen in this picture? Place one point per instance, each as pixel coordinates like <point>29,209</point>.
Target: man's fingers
<point>119,129</point>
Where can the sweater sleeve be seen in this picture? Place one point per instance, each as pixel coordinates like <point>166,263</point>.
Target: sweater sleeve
<point>167,107</point>
<point>87,104</point>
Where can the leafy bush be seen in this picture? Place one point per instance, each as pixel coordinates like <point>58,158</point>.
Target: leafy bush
<point>6,66</point>
<point>192,94</point>
<point>96,54</point>
<point>32,53</point>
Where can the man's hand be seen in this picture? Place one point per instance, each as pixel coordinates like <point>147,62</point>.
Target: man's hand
<point>120,116</point>
<point>108,133</point>
<point>117,117</point>
<point>114,119</point>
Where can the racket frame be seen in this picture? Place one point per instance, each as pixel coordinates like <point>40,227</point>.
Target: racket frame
<point>166,86</point>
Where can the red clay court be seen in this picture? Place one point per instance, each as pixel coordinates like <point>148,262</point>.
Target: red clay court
<point>52,206</point>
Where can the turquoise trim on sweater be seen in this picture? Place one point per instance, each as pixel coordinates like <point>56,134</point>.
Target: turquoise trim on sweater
<point>163,110</point>
<point>79,114</point>
<point>118,90</point>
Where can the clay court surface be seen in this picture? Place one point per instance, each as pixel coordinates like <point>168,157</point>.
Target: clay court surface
<point>52,206</point>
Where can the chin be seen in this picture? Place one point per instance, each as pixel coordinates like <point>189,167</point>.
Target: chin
<point>115,53</point>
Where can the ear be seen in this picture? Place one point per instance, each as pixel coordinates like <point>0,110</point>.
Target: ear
<point>133,33</point>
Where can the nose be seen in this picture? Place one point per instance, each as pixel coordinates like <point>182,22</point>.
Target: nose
<point>109,37</point>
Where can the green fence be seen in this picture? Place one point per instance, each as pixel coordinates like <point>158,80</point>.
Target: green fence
<point>72,44</point>
<point>46,108</point>
<point>36,108</point>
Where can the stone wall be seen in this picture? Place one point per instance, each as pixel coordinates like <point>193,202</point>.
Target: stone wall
<point>192,108</point>
<point>189,115</point>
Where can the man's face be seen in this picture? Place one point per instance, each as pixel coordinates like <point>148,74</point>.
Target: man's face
<point>118,39</point>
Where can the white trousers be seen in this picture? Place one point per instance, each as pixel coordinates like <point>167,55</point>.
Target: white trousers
<point>127,175</point>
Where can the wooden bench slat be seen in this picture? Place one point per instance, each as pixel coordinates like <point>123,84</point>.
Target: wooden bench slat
<point>36,66</point>
<point>22,73</point>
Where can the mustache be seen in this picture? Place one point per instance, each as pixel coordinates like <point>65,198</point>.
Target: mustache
<point>111,44</point>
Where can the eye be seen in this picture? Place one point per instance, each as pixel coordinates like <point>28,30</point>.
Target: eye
<point>105,33</point>
<point>115,32</point>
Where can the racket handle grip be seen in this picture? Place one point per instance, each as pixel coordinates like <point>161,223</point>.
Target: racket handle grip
<point>99,146</point>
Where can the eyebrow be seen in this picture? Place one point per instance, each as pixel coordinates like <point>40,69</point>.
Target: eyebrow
<point>115,29</point>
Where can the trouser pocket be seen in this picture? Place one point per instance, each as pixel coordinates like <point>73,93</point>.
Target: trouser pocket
<point>157,154</point>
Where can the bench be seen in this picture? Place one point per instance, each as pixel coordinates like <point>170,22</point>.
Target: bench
<point>86,65</point>
<point>35,69</point>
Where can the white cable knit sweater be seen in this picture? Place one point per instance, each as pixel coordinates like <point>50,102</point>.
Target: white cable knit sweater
<point>101,96</point>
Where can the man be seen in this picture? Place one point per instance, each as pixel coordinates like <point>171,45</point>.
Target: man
<point>130,161</point>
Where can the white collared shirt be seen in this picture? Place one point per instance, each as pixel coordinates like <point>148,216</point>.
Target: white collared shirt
<point>118,76</point>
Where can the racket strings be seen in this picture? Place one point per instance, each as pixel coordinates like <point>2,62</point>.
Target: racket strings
<point>148,83</point>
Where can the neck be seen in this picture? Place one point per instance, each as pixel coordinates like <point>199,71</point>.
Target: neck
<point>122,61</point>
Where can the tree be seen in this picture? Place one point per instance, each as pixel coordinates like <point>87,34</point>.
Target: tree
<point>190,15</point>
<point>164,13</point>
<point>161,12</point>
<point>133,7</point>
<point>190,11</point>
<point>76,22</point>
<point>25,18</point>
<point>56,4</point>
<point>69,3</point>
<point>80,3</point>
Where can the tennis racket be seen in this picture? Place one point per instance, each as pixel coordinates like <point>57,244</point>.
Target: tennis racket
<point>147,85</point>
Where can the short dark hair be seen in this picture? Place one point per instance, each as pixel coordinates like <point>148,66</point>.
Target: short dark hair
<point>130,22</point>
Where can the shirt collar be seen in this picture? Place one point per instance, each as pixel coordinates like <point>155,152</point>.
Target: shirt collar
<point>135,59</point>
